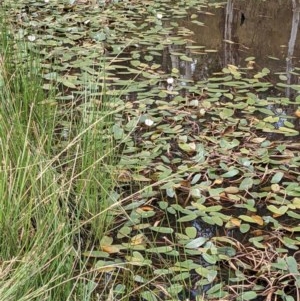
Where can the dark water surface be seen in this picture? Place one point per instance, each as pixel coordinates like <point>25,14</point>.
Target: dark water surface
<point>265,30</point>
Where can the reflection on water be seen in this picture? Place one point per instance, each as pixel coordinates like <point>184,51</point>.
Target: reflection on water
<point>291,47</point>
<point>238,30</point>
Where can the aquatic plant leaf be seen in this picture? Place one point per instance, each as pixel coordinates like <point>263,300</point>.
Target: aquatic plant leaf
<point>249,295</point>
<point>124,231</point>
<point>244,228</point>
<point>277,177</point>
<point>280,264</point>
<point>187,218</point>
<point>164,249</point>
<point>96,254</point>
<point>232,189</point>
<point>134,205</point>
<point>246,184</point>
<point>164,230</point>
<point>110,249</point>
<point>105,266</point>
<point>106,241</point>
<point>137,239</point>
<point>250,219</point>
<point>187,265</point>
<point>148,296</point>
<point>175,289</point>
<point>181,276</point>
<point>138,259</point>
<point>196,243</point>
<point>231,173</point>
<point>290,243</point>
<point>212,259</point>
<point>278,210</point>
<point>258,219</point>
<point>257,242</point>
<point>225,113</point>
<point>191,232</point>
<point>118,132</point>
<point>163,205</point>
<point>214,220</point>
<point>216,288</point>
<point>292,265</point>
<point>293,214</point>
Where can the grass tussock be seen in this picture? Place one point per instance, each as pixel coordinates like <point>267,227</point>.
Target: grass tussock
<point>53,183</point>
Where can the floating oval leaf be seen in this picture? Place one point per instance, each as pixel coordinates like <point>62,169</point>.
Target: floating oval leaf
<point>164,249</point>
<point>249,295</point>
<point>164,230</point>
<point>278,210</point>
<point>246,184</point>
<point>196,243</point>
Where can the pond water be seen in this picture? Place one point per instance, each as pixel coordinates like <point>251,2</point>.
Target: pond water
<point>247,35</point>
<point>266,30</point>
<point>208,91</point>
<point>236,33</point>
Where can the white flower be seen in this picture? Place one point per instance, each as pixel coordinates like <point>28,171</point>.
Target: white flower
<point>170,80</point>
<point>194,103</point>
<point>202,112</point>
<point>31,38</point>
<point>159,16</point>
<point>46,1</point>
<point>149,122</point>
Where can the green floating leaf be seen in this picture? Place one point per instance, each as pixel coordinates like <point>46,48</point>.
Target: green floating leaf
<point>67,83</point>
<point>181,276</point>
<point>135,63</point>
<point>164,249</point>
<point>216,288</point>
<point>96,254</point>
<point>187,218</point>
<point>292,265</point>
<point>231,173</point>
<point>124,231</point>
<point>148,296</point>
<point>186,58</point>
<point>191,232</point>
<point>250,58</point>
<point>278,210</point>
<point>212,259</point>
<point>266,111</point>
<point>216,220</point>
<point>225,113</point>
<point>293,268</point>
<point>246,184</point>
<point>249,295</point>
<point>293,214</point>
<point>244,228</point>
<point>106,241</point>
<point>290,243</point>
<point>196,243</point>
<point>163,205</point>
<point>255,219</point>
<point>280,264</point>
<point>288,130</point>
<point>148,58</point>
<point>118,132</point>
<point>174,289</point>
<point>164,230</point>
<point>50,76</point>
<point>257,242</point>
<point>277,177</point>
